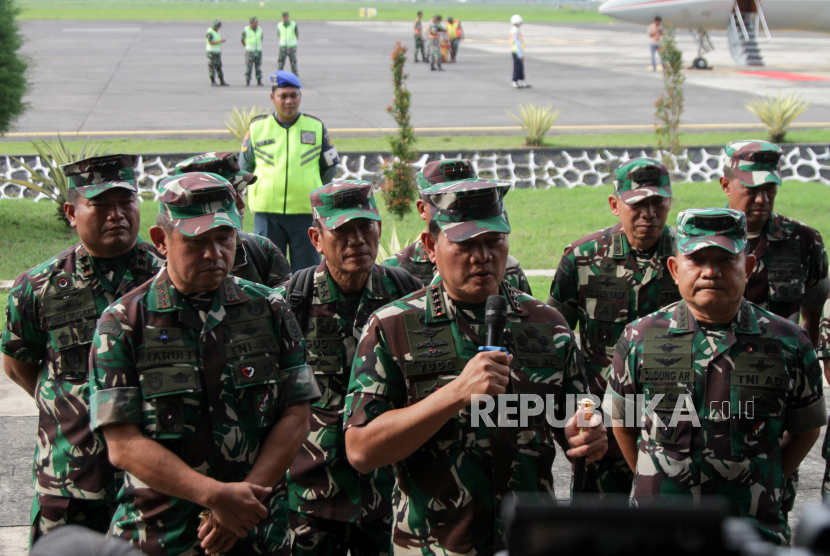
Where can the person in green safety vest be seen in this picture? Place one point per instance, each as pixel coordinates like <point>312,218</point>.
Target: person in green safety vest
<point>291,154</point>
<point>214,53</point>
<point>288,33</point>
<point>252,41</point>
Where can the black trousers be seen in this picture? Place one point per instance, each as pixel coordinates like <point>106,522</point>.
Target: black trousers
<point>518,68</point>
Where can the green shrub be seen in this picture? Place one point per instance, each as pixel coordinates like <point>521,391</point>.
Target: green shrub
<point>536,120</point>
<point>778,113</point>
<point>13,83</point>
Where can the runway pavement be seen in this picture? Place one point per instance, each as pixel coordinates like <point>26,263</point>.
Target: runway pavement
<point>152,76</point>
<point>18,427</point>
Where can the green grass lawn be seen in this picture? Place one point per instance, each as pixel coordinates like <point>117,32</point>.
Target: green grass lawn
<point>441,143</point>
<point>300,11</point>
<point>544,222</point>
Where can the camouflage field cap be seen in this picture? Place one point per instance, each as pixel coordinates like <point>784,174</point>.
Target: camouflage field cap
<point>755,162</point>
<point>225,164</point>
<point>93,176</point>
<point>197,202</point>
<point>468,208</point>
<point>640,178</point>
<point>441,171</point>
<point>340,202</point>
<point>711,227</point>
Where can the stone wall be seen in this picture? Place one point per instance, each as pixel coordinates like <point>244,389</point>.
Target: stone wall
<point>542,168</point>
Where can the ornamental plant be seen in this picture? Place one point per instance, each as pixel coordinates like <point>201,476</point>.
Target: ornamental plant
<point>778,113</point>
<point>670,104</point>
<point>536,120</point>
<point>399,185</point>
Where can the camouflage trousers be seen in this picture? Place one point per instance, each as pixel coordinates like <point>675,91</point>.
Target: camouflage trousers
<point>289,52</point>
<point>434,52</point>
<point>215,65</point>
<point>610,475</point>
<point>314,536</point>
<point>454,43</point>
<point>790,490</point>
<point>253,60</point>
<point>50,512</point>
<point>419,47</point>
<point>825,485</point>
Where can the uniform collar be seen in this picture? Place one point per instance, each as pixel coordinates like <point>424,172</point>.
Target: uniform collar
<point>440,306</point>
<point>326,290</point>
<point>774,228</point>
<point>745,321</point>
<point>166,298</point>
<point>139,261</point>
<point>420,255</point>
<point>620,248</point>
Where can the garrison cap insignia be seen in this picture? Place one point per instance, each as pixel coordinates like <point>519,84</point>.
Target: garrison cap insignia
<point>110,327</point>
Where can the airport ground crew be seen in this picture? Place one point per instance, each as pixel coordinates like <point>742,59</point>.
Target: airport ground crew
<point>50,321</point>
<point>419,38</point>
<point>200,385</point>
<point>434,35</point>
<point>252,41</point>
<point>214,54</point>
<point>417,366</point>
<point>292,155</point>
<point>288,33</point>
<point>333,508</point>
<point>732,395</point>
<point>257,258</point>
<point>517,45</point>
<point>455,33</point>
<point>414,258</point>
<point>613,277</point>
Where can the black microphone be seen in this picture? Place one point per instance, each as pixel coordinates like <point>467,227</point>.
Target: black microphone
<point>495,317</point>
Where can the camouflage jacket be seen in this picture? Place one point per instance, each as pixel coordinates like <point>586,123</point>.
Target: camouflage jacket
<point>209,391</point>
<point>791,270</point>
<point>321,481</point>
<point>273,270</point>
<point>414,259</point>
<point>823,352</point>
<point>601,286</point>
<point>448,492</point>
<point>51,318</point>
<point>435,30</point>
<point>745,384</point>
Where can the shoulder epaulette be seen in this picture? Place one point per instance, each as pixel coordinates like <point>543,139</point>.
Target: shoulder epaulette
<point>261,116</point>
<point>312,117</point>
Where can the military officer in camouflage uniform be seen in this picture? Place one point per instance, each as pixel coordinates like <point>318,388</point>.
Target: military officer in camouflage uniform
<point>200,385</point>
<point>730,393</point>
<point>333,507</point>
<point>413,258</point>
<point>50,321</point>
<point>610,278</point>
<point>257,259</point>
<point>790,276</point>
<point>419,38</point>
<point>417,365</point>
<point>434,36</point>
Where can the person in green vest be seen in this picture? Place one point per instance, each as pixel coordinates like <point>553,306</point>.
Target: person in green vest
<point>252,41</point>
<point>288,33</point>
<point>214,54</point>
<point>291,155</point>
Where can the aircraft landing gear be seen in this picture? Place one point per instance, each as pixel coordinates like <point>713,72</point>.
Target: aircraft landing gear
<point>704,45</point>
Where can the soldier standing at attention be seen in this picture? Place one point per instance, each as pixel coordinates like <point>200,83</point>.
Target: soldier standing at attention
<point>418,364</point>
<point>434,35</point>
<point>414,258</point>
<point>292,155</point>
<point>214,54</point>
<point>257,259</point>
<point>455,33</point>
<point>613,277</point>
<point>252,41</point>
<point>732,394</point>
<point>333,508</point>
<point>288,34</point>
<point>419,38</point>
<point>50,321</point>
<point>200,385</point>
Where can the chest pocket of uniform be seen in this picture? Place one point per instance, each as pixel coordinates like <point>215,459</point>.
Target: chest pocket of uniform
<point>70,315</point>
<point>72,342</point>
<point>667,375</point>
<point>422,271</point>
<point>758,394</point>
<point>785,273</point>
<point>607,299</point>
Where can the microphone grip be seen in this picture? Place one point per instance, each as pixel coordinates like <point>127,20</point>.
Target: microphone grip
<point>495,336</point>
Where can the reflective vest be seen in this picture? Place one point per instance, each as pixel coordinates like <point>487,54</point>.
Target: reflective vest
<point>288,35</point>
<point>287,164</point>
<point>452,29</point>
<point>253,39</point>
<point>513,34</point>
<point>213,35</point>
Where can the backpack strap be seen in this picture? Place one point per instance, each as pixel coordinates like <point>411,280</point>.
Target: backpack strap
<point>405,283</point>
<point>259,257</point>
<point>298,293</point>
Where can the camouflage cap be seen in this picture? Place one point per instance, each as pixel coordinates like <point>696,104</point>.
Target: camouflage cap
<point>440,171</point>
<point>711,227</point>
<point>640,178</point>
<point>754,162</point>
<point>197,202</point>
<point>93,176</point>
<point>340,202</point>
<point>467,208</point>
<point>225,164</point>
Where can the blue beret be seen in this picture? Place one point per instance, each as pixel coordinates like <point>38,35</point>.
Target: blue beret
<point>285,79</point>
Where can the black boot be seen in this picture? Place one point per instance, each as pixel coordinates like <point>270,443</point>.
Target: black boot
<point>223,84</point>
<point>432,66</point>
<point>212,82</point>
<point>247,82</point>
<point>259,82</point>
